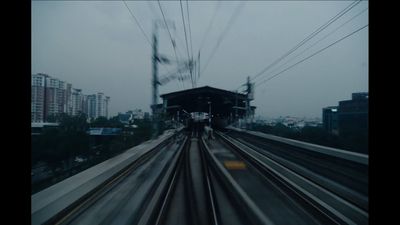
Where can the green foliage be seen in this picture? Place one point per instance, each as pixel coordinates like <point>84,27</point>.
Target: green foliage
<point>104,122</point>
<point>73,123</point>
<point>143,131</point>
<point>52,118</point>
<point>56,144</point>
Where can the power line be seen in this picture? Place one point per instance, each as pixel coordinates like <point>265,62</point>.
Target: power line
<point>224,32</point>
<point>190,37</point>
<point>209,25</point>
<point>166,25</point>
<point>152,9</point>
<point>184,29</point>
<point>190,30</point>
<point>321,28</point>
<point>315,53</point>
<point>179,40</point>
<point>187,46</point>
<point>330,33</point>
<point>170,36</point>
<point>137,22</point>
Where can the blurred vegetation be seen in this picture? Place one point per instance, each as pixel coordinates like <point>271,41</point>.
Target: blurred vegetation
<point>58,147</point>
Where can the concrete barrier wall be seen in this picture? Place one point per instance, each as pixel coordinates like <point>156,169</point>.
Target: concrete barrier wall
<point>340,153</point>
<point>52,200</point>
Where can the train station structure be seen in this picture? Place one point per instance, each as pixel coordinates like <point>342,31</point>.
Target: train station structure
<point>224,106</point>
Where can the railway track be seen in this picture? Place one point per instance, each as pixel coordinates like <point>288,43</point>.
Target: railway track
<point>193,180</point>
<point>120,199</point>
<point>347,179</point>
<point>188,198</point>
<point>327,205</point>
<point>195,195</point>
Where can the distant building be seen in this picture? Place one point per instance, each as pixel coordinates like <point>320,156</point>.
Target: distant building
<point>147,116</point>
<point>77,102</point>
<point>126,118</point>
<point>68,99</point>
<point>48,97</point>
<point>104,131</point>
<point>353,115</point>
<point>107,101</point>
<point>350,118</point>
<point>100,104</point>
<point>131,115</point>
<point>138,114</point>
<point>51,96</point>
<point>37,128</point>
<point>96,105</point>
<point>91,106</point>
<point>55,97</point>
<point>38,88</point>
<point>330,119</point>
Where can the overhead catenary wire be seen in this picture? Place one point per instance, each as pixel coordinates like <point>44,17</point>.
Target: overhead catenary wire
<point>137,22</point>
<point>209,25</point>
<point>323,38</point>
<point>184,29</point>
<point>142,30</point>
<point>231,21</point>
<point>309,37</point>
<point>152,9</point>
<point>187,45</point>
<point>170,36</point>
<point>169,32</point>
<point>190,37</point>
<point>312,55</point>
<point>190,29</point>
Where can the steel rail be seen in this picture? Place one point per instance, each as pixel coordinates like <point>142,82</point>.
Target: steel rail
<point>250,210</point>
<point>338,210</point>
<point>76,208</point>
<point>345,192</point>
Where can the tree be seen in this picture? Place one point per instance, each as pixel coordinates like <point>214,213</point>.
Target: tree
<point>76,123</point>
<point>62,143</point>
<point>104,122</point>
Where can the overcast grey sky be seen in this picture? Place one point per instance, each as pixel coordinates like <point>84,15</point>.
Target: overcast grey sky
<point>98,47</point>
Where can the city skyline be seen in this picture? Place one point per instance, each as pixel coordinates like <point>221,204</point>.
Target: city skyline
<point>51,96</point>
<point>98,46</point>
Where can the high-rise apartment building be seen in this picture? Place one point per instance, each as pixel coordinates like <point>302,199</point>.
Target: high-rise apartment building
<point>77,101</point>
<point>68,99</point>
<point>97,105</point>
<point>51,96</point>
<point>55,97</point>
<point>91,106</point>
<point>107,101</point>
<point>38,89</point>
<point>100,104</point>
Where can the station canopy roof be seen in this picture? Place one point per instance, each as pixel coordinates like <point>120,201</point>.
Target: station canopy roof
<point>222,102</point>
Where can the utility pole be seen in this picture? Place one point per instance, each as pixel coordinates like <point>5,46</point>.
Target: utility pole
<point>157,58</point>
<point>249,97</point>
<point>236,109</point>
<point>177,119</point>
<point>209,114</point>
<point>248,102</point>
<point>155,81</point>
<point>198,69</point>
